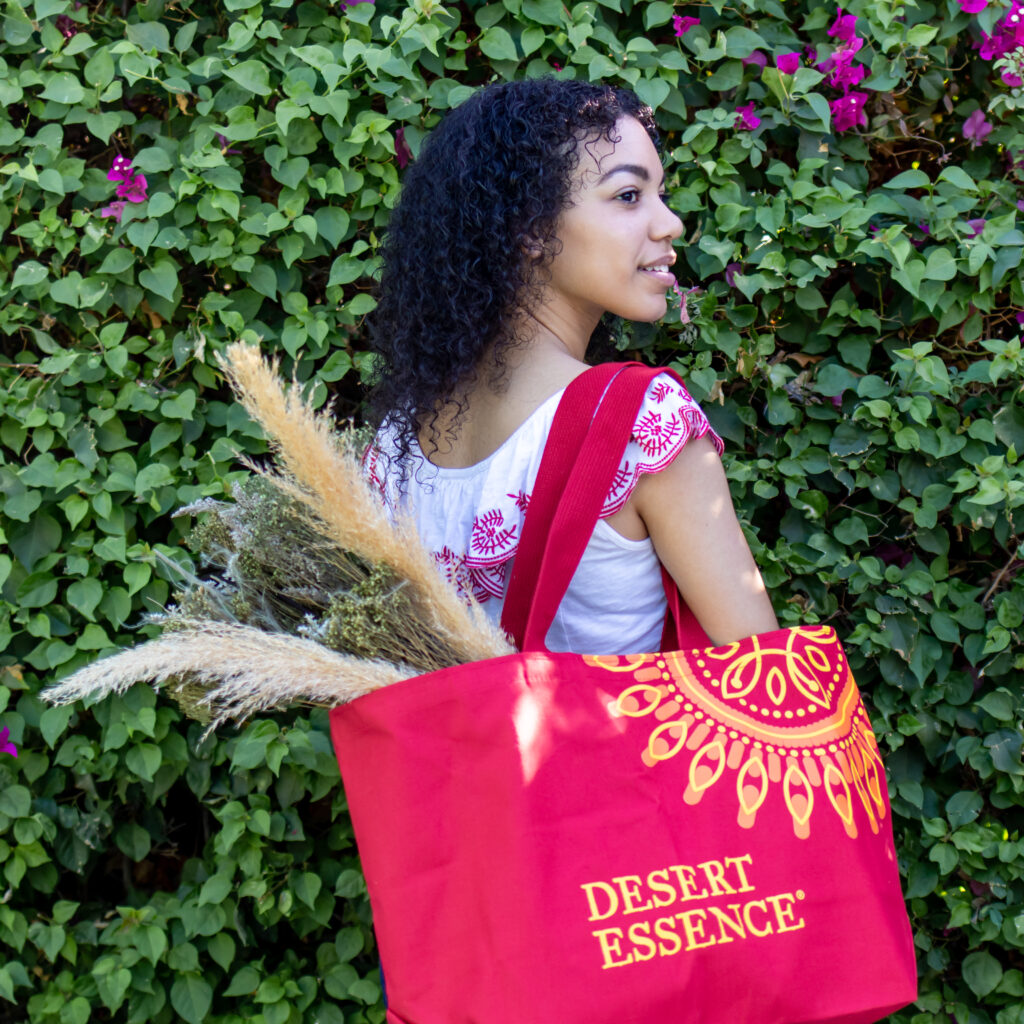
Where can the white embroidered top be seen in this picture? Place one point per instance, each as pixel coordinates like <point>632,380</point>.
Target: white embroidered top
<point>471,519</point>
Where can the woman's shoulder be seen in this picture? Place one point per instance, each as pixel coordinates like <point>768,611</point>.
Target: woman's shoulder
<point>667,420</point>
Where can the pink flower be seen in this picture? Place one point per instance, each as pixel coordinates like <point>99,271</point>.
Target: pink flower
<point>730,274</point>
<point>66,26</point>
<point>787,63</point>
<point>403,154</point>
<point>757,58</point>
<point>682,24</point>
<point>848,111</point>
<point>115,209</point>
<point>556,65</point>
<point>121,170</point>
<point>746,119</point>
<point>844,27</point>
<point>846,76</point>
<point>1010,78</point>
<point>972,6</point>
<point>1020,318</point>
<point>977,225</point>
<point>6,747</point>
<point>976,129</point>
<point>133,189</point>
<point>843,55</point>
<point>1020,205</point>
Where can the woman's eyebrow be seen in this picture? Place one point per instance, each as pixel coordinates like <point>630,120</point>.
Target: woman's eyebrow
<point>640,171</point>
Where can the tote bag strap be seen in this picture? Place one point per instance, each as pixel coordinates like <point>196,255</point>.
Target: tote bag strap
<point>588,437</point>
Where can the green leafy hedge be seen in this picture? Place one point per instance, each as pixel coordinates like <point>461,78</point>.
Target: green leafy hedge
<point>853,238</point>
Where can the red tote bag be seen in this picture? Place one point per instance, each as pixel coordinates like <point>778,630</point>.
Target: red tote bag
<point>696,835</point>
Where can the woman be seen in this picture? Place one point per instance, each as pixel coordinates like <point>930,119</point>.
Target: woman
<point>534,209</point>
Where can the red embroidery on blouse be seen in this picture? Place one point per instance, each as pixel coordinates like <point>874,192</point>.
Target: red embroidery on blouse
<point>622,480</point>
<point>522,500</point>
<point>454,569</point>
<point>371,458</point>
<point>490,534</point>
<point>661,391</point>
<point>654,433</point>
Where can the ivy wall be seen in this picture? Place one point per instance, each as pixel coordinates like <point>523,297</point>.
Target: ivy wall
<point>176,175</point>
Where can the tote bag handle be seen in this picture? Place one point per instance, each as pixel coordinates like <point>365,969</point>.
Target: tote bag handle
<point>588,437</point>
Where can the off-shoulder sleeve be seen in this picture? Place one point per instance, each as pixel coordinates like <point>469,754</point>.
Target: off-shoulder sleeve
<point>667,420</point>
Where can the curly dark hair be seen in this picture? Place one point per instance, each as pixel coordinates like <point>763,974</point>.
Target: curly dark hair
<point>488,187</point>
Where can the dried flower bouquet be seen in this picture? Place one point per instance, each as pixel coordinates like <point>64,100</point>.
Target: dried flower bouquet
<point>318,596</point>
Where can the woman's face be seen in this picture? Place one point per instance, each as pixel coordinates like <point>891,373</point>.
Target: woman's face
<point>616,239</point>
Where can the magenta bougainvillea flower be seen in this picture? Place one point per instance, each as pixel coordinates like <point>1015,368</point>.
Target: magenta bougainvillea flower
<point>846,76</point>
<point>746,119</point>
<point>403,154</point>
<point>976,129</point>
<point>844,27</point>
<point>787,63</point>
<point>6,746</point>
<point>133,189</point>
<point>842,56</point>
<point>757,58</point>
<point>121,170</point>
<point>681,24</point>
<point>1008,34</point>
<point>977,225</point>
<point>972,6</point>
<point>224,142</point>
<point>848,111</point>
<point>115,209</point>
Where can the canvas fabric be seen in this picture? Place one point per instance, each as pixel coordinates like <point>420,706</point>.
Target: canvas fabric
<point>697,834</point>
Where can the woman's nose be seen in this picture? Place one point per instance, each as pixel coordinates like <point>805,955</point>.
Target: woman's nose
<point>666,224</point>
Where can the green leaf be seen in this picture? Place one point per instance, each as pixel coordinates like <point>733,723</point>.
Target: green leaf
<point>941,266</point>
<point>29,272</point>
<point>191,997</point>
<point>653,91</point>
<point>307,887</point>
<point>15,801</point>
<point>84,595</point>
<point>64,88</point>
<point>252,75</point>
<point>545,12</point>
<point>982,972</point>
<point>908,179</point>
<point>497,44</point>
<point>962,808</point>
<point>999,704</point>
<point>144,760</point>
<point>53,721</point>
<point>33,541</point>
<point>37,590</point>
<point>133,841</point>
<point>149,35</point>
<point>215,889</point>
<point>1008,423</point>
<point>161,278</point>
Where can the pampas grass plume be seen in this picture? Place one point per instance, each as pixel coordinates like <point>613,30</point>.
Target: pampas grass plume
<point>243,670</point>
<point>323,471</point>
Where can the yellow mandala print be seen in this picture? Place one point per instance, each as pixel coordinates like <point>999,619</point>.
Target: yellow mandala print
<point>780,709</point>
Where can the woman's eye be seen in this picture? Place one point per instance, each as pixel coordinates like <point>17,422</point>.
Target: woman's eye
<point>631,196</point>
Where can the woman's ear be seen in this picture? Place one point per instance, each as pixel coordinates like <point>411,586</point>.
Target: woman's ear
<point>531,247</point>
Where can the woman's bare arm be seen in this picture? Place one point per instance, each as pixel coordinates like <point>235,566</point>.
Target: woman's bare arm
<point>689,516</point>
